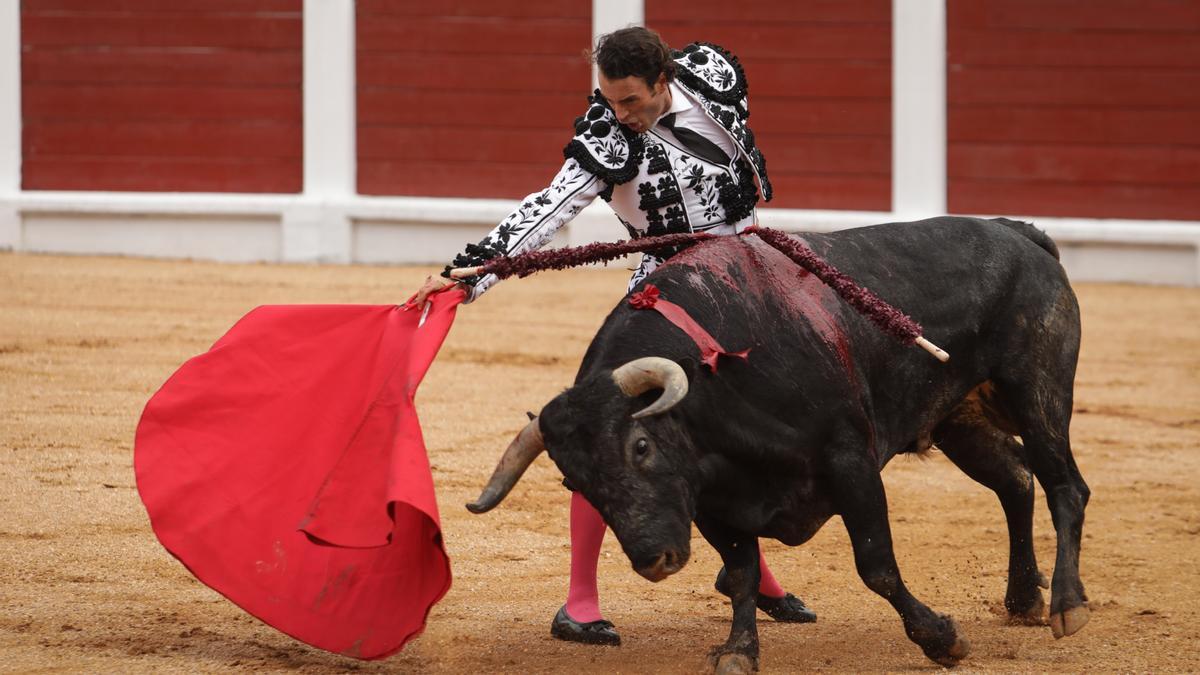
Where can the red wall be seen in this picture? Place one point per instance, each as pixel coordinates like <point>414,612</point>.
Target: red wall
<point>473,98</point>
<point>188,95</point>
<point>1056,107</point>
<point>820,90</point>
<point>1074,108</point>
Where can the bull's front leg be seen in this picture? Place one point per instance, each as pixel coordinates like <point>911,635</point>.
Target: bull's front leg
<point>858,495</point>
<point>739,552</point>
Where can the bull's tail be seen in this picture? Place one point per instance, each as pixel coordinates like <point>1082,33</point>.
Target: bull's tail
<point>1032,233</point>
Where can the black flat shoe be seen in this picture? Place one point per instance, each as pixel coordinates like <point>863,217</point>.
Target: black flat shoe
<point>591,633</point>
<point>788,609</point>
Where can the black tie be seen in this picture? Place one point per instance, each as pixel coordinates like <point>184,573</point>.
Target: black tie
<point>699,145</point>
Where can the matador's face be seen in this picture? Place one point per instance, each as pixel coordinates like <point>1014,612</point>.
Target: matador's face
<point>637,106</point>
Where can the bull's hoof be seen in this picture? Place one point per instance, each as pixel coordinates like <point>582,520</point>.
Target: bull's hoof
<point>738,655</point>
<point>1069,622</point>
<point>948,653</point>
<point>1033,614</point>
<point>735,664</point>
<point>957,652</point>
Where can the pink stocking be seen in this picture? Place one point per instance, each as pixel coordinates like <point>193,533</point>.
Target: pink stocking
<point>767,585</point>
<point>587,533</point>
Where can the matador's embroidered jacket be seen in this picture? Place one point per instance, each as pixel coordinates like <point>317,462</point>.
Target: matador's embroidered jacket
<point>652,181</point>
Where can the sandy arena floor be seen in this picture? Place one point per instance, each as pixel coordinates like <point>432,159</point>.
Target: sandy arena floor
<point>85,586</point>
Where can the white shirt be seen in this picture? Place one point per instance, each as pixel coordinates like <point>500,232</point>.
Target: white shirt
<point>689,115</point>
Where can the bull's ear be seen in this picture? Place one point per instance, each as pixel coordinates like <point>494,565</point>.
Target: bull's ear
<point>553,421</point>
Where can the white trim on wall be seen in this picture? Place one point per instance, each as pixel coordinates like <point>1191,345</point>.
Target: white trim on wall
<point>329,98</point>
<point>1163,252</point>
<point>610,15</point>
<point>918,108</point>
<point>313,228</point>
<point>10,123</point>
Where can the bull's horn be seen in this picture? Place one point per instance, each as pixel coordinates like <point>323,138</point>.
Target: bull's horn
<point>520,454</point>
<point>653,372</point>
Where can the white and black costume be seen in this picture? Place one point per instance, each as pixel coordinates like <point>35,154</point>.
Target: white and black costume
<point>654,182</point>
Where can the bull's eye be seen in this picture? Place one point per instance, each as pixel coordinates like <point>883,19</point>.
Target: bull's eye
<point>641,447</point>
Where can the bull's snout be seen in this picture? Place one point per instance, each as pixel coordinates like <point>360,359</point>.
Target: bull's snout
<point>667,563</point>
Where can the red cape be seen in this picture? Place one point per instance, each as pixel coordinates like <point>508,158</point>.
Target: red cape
<point>285,468</point>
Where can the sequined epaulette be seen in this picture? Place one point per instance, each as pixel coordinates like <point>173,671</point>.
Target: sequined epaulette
<point>712,71</point>
<point>603,146</point>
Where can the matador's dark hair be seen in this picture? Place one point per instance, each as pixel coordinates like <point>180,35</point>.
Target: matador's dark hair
<point>635,50</point>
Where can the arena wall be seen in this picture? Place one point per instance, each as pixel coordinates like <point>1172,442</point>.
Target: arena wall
<point>383,132</point>
<point>1075,113</point>
<point>185,96</point>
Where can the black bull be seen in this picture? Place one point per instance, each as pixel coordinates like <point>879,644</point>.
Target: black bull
<point>775,445</point>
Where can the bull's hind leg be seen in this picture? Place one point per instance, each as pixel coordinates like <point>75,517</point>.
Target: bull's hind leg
<point>1036,386</point>
<point>995,459</point>
<point>858,496</point>
<point>1043,417</point>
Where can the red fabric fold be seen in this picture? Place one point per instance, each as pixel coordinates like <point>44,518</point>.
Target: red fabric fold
<point>285,468</point>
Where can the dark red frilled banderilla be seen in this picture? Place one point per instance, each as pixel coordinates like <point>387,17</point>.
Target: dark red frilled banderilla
<point>887,318</point>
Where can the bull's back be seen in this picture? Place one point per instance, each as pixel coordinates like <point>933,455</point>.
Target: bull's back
<point>941,258</point>
<point>960,278</point>
<point>977,287</point>
<point>945,272</point>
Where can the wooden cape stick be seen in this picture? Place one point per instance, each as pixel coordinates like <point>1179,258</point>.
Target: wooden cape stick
<point>886,317</point>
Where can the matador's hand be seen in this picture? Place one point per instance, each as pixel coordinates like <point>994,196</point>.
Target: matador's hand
<point>432,285</point>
